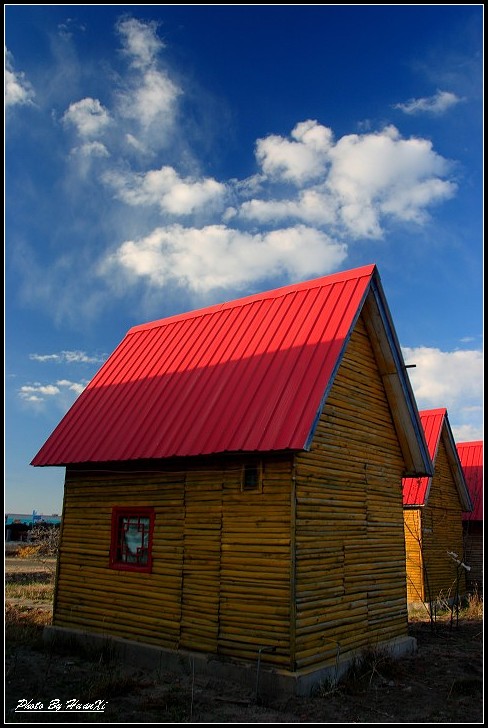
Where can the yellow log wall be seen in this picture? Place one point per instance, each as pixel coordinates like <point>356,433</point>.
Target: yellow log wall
<point>256,563</point>
<point>350,551</point>
<point>442,532</point>
<point>220,581</point>
<point>90,595</point>
<point>413,548</point>
<point>473,549</point>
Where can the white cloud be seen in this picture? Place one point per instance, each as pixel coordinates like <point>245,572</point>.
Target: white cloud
<point>45,357</point>
<point>140,41</point>
<point>297,161</point>
<point>313,206</point>
<point>75,387</point>
<point>142,103</point>
<point>165,188</point>
<point>18,90</point>
<point>88,157</point>
<point>44,390</point>
<point>63,393</point>
<point>69,27</point>
<point>136,144</point>
<point>410,202</point>
<point>151,98</point>
<point>146,99</point>
<point>88,116</point>
<point>370,172</point>
<point>219,257</point>
<point>450,379</point>
<point>367,178</point>
<point>440,102</point>
<point>91,149</point>
<point>467,432</point>
<point>67,357</point>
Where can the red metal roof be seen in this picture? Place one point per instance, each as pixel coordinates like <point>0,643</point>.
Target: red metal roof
<point>248,375</point>
<point>436,425</point>
<point>471,456</point>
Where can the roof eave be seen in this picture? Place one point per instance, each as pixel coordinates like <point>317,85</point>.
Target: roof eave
<point>397,385</point>
<point>456,467</point>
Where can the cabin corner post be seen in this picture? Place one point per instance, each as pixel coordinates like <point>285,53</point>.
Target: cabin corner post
<point>293,616</point>
<point>60,542</point>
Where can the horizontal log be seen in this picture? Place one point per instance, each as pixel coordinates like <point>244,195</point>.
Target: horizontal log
<point>253,637</point>
<point>236,607</point>
<point>228,648</point>
<point>123,615</point>
<point>198,644</point>
<point>161,639</point>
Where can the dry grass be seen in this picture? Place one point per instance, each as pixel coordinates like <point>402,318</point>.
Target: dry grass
<point>29,551</point>
<point>474,607</point>
<point>470,608</point>
<point>31,591</point>
<point>24,625</point>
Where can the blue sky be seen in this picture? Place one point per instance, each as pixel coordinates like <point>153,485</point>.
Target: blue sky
<point>164,158</point>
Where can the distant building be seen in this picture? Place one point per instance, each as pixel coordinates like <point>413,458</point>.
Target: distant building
<point>433,508</point>
<point>471,456</point>
<point>18,525</point>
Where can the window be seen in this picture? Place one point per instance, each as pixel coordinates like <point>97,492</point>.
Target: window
<point>252,476</point>
<point>131,545</point>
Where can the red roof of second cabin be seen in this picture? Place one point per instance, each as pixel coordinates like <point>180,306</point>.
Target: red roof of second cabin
<point>471,456</point>
<point>248,375</point>
<point>416,490</point>
<point>436,426</point>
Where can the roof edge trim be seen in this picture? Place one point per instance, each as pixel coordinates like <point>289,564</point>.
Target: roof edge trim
<point>425,466</point>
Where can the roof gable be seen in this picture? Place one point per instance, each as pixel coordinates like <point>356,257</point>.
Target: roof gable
<point>471,457</point>
<point>248,375</point>
<point>436,426</point>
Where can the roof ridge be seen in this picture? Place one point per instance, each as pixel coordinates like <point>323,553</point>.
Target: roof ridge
<point>261,295</point>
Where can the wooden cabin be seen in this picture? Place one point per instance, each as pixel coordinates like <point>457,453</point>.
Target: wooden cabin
<point>471,457</point>
<point>234,483</point>
<point>433,509</point>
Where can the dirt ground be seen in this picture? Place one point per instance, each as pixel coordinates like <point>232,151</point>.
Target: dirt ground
<point>441,683</point>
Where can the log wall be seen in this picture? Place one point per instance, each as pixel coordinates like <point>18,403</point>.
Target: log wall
<point>350,549</point>
<point>90,595</point>
<point>221,574</point>
<point>444,534</point>
<point>413,546</point>
<point>473,549</point>
<point>441,535</point>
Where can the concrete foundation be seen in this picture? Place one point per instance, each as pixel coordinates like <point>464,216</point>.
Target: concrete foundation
<point>263,679</point>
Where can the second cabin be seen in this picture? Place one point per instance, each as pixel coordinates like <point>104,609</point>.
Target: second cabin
<point>433,508</point>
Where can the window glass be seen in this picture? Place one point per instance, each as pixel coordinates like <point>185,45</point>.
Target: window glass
<point>131,543</point>
<point>133,539</point>
<point>251,476</point>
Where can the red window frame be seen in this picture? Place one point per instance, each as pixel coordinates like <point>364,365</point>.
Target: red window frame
<point>134,514</point>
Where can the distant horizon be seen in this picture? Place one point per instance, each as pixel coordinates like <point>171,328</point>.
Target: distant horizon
<point>38,515</point>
